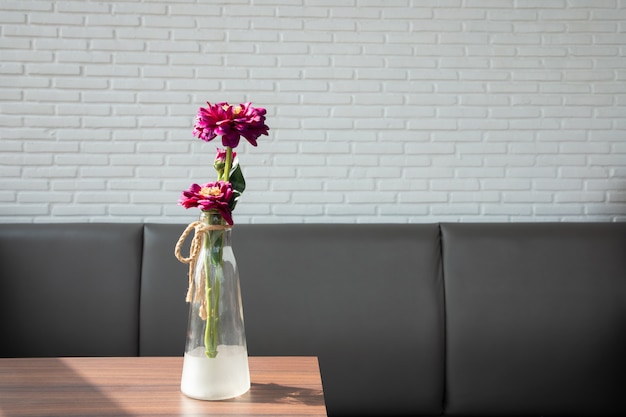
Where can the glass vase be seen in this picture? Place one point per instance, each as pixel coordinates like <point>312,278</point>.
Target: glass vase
<point>215,365</point>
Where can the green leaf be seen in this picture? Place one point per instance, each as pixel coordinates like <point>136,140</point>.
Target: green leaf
<point>236,179</point>
<point>233,200</point>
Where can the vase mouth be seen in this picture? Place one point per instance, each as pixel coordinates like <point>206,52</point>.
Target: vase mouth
<point>214,218</point>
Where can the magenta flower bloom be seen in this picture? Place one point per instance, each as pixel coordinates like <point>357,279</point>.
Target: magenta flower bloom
<point>213,196</point>
<point>230,122</point>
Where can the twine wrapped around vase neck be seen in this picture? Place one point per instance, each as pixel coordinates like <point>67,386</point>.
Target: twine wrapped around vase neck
<point>200,228</point>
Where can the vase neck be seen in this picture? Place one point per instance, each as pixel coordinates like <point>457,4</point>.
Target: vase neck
<point>214,219</point>
<point>223,233</point>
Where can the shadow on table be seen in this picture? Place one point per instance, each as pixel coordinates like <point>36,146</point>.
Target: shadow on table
<point>50,388</point>
<point>281,394</point>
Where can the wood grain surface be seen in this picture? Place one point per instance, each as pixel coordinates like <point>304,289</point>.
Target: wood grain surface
<point>150,386</point>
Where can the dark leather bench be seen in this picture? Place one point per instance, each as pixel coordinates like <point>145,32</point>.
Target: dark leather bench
<point>420,319</point>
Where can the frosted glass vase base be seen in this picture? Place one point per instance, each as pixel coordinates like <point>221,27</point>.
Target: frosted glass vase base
<point>225,376</point>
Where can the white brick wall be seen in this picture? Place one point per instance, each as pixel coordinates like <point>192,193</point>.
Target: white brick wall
<point>380,110</point>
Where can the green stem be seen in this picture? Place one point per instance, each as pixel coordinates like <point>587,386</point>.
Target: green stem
<point>215,316</point>
<point>213,247</point>
<point>208,293</point>
<point>228,163</point>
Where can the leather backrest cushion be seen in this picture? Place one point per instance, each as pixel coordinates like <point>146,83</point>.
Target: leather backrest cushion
<point>69,289</point>
<point>366,299</point>
<point>535,319</point>
<point>163,313</point>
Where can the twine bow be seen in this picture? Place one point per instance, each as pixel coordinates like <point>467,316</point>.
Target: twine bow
<point>196,245</point>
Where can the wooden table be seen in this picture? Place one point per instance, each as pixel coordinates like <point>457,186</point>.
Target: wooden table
<point>150,386</point>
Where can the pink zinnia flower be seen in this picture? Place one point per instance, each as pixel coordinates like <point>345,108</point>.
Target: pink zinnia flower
<point>230,122</point>
<point>211,196</point>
